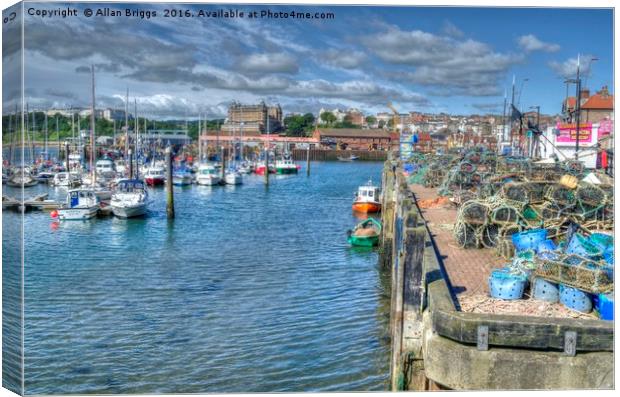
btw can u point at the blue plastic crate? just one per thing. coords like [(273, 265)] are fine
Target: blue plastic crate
[(546, 245), (529, 239), (545, 290), (580, 245), (504, 285), (608, 255), (575, 299), (602, 240), (604, 305)]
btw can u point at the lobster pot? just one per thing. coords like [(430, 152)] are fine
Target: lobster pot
[(537, 192), (544, 290), (490, 235), (590, 195), (574, 167), (503, 285), (466, 235), (549, 210), (575, 299), (505, 248), (516, 192), (546, 245), (474, 212), (467, 167), (504, 215), (561, 195)]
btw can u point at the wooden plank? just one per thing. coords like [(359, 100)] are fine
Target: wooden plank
[(524, 331), (414, 255)]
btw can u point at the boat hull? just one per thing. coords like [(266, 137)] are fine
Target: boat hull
[(363, 241), (129, 211), (77, 214), (232, 179), (208, 181), (366, 207), (154, 181), (285, 171), (181, 181)]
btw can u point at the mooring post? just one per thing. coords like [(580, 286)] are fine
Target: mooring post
[(66, 155), (308, 161), (266, 165), (223, 163), (169, 189)]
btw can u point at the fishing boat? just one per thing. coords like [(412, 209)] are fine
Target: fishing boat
[(365, 234), (367, 198), (182, 177), (155, 175), (21, 177), (350, 158), (286, 165), (260, 168), (130, 198), (105, 169), (233, 177), (81, 204), (208, 175)]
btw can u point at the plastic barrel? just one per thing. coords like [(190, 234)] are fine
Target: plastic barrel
[(608, 255), (529, 239), (503, 285), (575, 299), (545, 290), (547, 245), (581, 246), (602, 240), (604, 305)]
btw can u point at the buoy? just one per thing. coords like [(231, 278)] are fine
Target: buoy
[(54, 214)]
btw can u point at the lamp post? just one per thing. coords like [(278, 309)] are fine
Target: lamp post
[(577, 82), (534, 141)]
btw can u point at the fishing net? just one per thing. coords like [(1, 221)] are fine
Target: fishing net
[(466, 235), (474, 212), (561, 195), (590, 195), (505, 214), (490, 235), (518, 192)]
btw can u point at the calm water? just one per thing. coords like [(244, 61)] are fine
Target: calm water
[(248, 289)]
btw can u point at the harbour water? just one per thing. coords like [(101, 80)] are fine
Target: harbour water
[(250, 289)]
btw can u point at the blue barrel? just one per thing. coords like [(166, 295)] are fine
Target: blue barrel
[(547, 245), (604, 305), (529, 239), (545, 290), (575, 299), (580, 245), (504, 285), (608, 255), (602, 240)]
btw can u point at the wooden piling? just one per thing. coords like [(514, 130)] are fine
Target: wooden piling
[(130, 164), (169, 189), (308, 161), (266, 165), (67, 155), (223, 163)]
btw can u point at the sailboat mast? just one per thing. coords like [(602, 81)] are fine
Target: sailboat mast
[(126, 123), (92, 125), (46, 153), (136, 125), (199, 143)]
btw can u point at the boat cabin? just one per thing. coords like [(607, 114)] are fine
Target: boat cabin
[(104, 166), (129, 185), (368, 192), (81, 198)]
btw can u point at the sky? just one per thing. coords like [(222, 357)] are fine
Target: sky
[(457, 60)]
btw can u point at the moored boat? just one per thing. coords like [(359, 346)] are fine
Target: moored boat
[(21, 177), (365, 234), (81, 204), (155, 175), (65, 179), (367, 199), (233, 177), (130, 199), (286, 165), (208, 175), (350, 158), (182, 177)]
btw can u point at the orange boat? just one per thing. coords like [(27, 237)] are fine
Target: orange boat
[(367, 199)]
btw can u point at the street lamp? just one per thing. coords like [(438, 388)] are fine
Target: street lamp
[(577, 83)]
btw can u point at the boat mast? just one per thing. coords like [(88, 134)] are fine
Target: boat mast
[(92, 126), (137, 126), (199, 143), (126, 123), (46, 153)]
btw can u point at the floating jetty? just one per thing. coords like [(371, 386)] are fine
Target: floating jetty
[(437, 345), (39, 202)]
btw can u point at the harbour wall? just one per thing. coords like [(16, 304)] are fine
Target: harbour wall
[(435, 346), (329, 155)]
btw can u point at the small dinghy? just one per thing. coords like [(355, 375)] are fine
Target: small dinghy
[(365, 234)]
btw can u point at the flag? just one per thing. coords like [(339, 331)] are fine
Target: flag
[(516, 115)]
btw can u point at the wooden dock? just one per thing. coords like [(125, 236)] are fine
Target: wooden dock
[(39, 203)]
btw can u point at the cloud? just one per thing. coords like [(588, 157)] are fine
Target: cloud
[(60, 94), (568, 68), (488, 107), (449, 29), (99, 67), (530, 43), (268, 63), (451, 67), (343, 58)]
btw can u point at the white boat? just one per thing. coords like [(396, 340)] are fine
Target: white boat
[(120, 166), (286, 166), (182, 177), (208, 175), (21, 177), (75, 161), (233, 177), (81, 204), (130, 199), (105, 169), (66, 179), (245, 168)]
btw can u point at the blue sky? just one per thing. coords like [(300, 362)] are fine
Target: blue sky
[(431, 59)]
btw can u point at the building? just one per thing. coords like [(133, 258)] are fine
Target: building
[(165, 137), (594, 108), (114, 114), (253, 119), (354, 138), (355, 117)]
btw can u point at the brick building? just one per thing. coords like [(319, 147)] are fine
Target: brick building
[(593, 108), (354, 138)]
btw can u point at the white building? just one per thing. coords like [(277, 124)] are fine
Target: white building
[(563, 137)]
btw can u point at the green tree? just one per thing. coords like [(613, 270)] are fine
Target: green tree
[(328, 118), (370, 120), (298, 125)]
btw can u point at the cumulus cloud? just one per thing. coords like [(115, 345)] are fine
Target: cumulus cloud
[(449, 29), (452, 67), (343, 58), (268, 63), (568, 68), (530, 43)]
